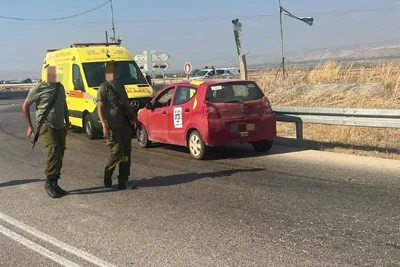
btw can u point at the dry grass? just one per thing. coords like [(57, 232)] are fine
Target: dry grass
[(335, 85)]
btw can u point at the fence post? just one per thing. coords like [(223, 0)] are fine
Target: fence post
[(299, 133)]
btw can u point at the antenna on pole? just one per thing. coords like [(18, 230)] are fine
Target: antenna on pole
[(113, 38), (112, 20)]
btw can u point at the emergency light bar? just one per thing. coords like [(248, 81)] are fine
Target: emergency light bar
[(94, 44)]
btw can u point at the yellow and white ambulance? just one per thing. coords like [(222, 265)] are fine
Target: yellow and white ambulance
[(82, 69)]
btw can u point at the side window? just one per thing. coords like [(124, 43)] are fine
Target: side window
[(133, 72), (164, 99), (183, 94), (77, 78)]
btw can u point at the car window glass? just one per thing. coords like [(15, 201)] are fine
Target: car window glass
[(184, 94), (164, 100), (239, 91)]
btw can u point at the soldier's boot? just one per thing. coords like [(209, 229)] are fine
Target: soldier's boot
[(125, 184), (51, 189), (58, 188), (107, 178)]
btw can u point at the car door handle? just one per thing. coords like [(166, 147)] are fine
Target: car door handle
[(164, 112), (187, 110)]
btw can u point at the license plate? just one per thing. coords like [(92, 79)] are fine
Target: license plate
[(244, 127), (241, 127)]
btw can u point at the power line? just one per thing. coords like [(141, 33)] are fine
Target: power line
[(343, 12), (261, 15), (60, 18)]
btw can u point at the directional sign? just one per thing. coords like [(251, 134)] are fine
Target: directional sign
[(161, 65), (159, 57), (188, 68), (140, 58)]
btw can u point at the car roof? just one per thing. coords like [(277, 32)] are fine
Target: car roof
[(208, 82)]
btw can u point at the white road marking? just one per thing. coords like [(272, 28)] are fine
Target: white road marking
[(82, 254), (39, 249)]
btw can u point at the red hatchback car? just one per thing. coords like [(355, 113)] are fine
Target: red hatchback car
[(202, 114)]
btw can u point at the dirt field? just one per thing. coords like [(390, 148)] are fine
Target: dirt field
[(334, 85)]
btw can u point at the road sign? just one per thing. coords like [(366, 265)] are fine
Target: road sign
[(159, 57), (161, 65), (140, 58), (188, 68)]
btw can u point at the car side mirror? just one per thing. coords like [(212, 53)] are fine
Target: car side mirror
[(148, 78)]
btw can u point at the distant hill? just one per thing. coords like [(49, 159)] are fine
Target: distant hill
[(389, 50), (9, 75), (364, 52)]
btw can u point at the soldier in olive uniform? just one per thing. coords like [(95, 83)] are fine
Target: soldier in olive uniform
[(112, 101), (54, 130)]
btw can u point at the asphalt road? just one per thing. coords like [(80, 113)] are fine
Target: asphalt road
[(286, 208)]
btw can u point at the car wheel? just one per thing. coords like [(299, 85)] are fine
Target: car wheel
[(89, 128), (263, 145), (197, 147), (142, 137)]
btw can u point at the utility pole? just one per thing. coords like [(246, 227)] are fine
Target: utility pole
[(307, 20)]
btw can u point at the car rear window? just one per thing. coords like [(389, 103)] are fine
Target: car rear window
[(232, 92)]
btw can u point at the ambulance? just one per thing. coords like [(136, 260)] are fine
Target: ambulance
[(82, 69)]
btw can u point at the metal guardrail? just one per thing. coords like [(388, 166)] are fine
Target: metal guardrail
[(5, 85), (28, 85), (359, 117)]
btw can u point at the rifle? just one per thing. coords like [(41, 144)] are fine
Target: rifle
[(45, 114)]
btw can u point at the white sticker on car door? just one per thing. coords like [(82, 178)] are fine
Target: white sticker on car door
[(178, 117)]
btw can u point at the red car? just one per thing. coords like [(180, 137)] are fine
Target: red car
[(203, 114)]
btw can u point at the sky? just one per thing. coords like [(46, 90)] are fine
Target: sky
[(197, 31)]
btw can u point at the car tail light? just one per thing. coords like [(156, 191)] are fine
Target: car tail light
[(210, 111), (267, 105)]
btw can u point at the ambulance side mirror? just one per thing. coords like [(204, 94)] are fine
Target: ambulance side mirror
[(148, 78)]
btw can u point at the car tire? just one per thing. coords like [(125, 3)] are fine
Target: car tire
[(89, 128), (196, 145), (263, 145), (142, 136)]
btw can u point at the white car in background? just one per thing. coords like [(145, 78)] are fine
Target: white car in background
[(216, 73)]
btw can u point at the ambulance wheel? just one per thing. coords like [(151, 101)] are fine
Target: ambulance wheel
[(142, 136), (89, 128), (197, 147)]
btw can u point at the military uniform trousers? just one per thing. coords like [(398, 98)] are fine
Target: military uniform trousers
[(120, 144), (54, 141)]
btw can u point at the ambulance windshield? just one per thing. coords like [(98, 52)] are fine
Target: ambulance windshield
[(128, 73)]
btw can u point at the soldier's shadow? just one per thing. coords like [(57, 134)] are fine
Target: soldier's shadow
[(168, 180), (176, 179), (92, 190), (20, 182)]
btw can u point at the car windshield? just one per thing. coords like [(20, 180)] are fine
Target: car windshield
[(234, 92), (201, 72), (128, 73)]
